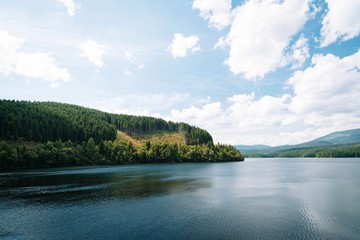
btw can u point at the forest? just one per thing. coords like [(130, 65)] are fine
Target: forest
[(331, 151), (340, 151), (50, 121), (49, 134)]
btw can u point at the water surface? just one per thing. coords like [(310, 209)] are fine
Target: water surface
[(255, 199)]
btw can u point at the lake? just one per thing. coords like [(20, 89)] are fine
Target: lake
[(255, 199)]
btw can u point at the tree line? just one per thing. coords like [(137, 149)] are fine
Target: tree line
[(342, 151), (60, 154), (337, 151)]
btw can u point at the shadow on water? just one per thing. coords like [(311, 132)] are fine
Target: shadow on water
[(100, 186)]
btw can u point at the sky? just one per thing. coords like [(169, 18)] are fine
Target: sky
[(249, 71)]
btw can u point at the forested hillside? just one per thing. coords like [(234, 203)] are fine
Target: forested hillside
[(331, 151), (36, 134), (44, 121), (338, 151)]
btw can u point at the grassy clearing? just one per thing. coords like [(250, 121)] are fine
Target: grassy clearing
[(158, 137)]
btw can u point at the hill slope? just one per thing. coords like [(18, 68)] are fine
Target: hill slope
[(157, 137), (43, 121), (46, 134), (343, 137), (348, 140)]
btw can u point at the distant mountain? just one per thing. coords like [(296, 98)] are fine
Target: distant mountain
[(343, 137), (348, 137), (252, 147)]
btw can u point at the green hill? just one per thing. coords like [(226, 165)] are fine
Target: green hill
[(344, 137), (337, 144), (43, 121), (46, 134)]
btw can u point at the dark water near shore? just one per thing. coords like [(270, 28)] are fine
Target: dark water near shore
[(255, 199)]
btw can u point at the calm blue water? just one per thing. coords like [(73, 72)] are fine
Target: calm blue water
[(255, 199)]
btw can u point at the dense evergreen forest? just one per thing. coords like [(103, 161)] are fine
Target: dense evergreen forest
[(50, 121), (49, 134)]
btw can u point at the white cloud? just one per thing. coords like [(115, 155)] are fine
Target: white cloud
[(9, 45), (267, 111), (341, 21), (326, 94), (324, 100), (40, 65), (127, 72), (221, 43), (217, 12), (328, 87), (70, 5), (260, 33), (242, 119), (299, 52), (128, 55), (32, 65), (181, 46), (94, 52), (207, 115)]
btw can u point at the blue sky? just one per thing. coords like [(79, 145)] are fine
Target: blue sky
[(250, 72)]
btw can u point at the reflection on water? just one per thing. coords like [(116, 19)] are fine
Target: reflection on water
[(93, 186), (255, 199)]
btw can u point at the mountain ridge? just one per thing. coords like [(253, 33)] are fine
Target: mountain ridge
[(335, 139)]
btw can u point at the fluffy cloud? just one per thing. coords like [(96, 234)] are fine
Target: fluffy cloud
[(259, 34), (9, 45), (127, 72), (41, 65), (70, 6), (217, 12), (330, 86), (267, 111), (299, 52), (242, 119), (324, 100), (341, 21), (181, 46), (208, 115), (94, 52), (31, 65)]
